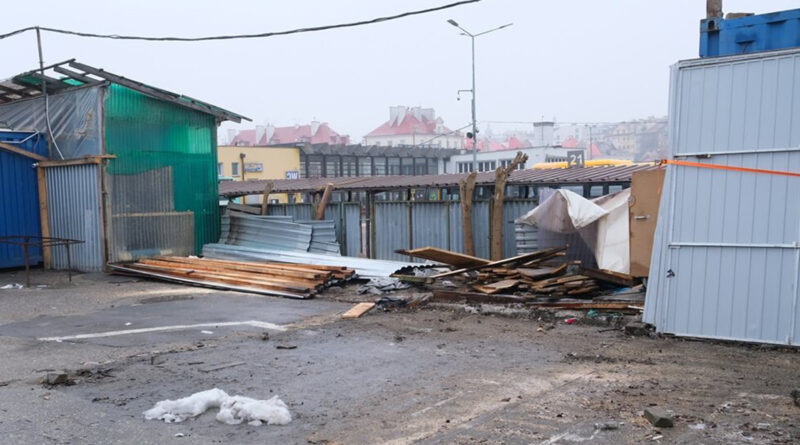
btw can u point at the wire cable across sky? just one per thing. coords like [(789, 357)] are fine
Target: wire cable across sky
[(240, 36)]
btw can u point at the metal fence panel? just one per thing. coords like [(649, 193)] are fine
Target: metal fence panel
[(430, 224), (351, 230), (512, 210), (391, 229), (726, 259), (74, 211)]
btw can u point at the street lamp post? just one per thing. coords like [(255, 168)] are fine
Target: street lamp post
[(474, 119)]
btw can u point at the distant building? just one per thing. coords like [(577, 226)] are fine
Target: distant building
[(265, 135), (414, 127), (637, 139), (490, 160)]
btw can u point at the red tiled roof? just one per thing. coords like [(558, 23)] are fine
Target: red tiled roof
[(569, 142), (409, 125), (290, 135)]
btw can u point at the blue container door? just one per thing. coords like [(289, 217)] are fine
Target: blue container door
[(19, 202)]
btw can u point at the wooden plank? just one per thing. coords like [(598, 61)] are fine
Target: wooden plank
[(643, 213), (120, 269), (220, 367), (202, 275), (538, 274), (466, 188), (516, 259), (444, 256), (254, 267), (620, 279), (44, 221), (358, 310), (326, 196), (496, 217), (497, 287), (77, 161), (21, 152), (583, 305), (265, 200), (247, 275), (461, 295)]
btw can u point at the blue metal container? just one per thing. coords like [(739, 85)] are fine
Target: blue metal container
[(765, 32), (19, 202)]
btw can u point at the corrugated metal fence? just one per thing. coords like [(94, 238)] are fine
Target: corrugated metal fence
[(74, 211), (412, 224)]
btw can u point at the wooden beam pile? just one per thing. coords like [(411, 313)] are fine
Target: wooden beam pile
[(280, 279), (540, 277)]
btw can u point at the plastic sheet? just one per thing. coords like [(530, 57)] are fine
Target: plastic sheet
[(74, 118)]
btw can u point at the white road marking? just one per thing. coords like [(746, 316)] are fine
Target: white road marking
[(253, 323)]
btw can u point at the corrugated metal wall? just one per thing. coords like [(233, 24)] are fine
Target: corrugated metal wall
[(165, 172), (438, 224), (727, 250), (74, 211), (19, 196)]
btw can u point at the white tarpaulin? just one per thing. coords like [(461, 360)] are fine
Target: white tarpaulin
[(603, 219)]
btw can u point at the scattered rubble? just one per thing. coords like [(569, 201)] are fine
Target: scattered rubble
[(658, 417)]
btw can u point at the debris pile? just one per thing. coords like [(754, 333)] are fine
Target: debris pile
[(541, 278), (293, 280)]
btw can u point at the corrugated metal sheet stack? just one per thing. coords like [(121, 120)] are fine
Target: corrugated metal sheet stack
[(279, 233), (278, 279)]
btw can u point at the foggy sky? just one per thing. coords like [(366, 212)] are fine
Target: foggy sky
[(575, 60)]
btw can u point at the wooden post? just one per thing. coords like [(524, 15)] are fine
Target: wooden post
[(265, 201), (21, 152), (496, 211), (43, 218), (326, 196), (466, 187)]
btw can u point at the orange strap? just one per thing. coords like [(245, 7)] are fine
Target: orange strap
[(728, 167)]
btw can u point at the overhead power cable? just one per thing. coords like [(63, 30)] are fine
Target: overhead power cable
[(241, 36)]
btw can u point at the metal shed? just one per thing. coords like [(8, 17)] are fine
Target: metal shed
[(19, 203), (132, 169), (726, 255)]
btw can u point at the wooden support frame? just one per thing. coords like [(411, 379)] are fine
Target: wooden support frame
[(319, 214), (44, 220), (466, 188), (496, 214), (21, 152), (78, 161), (265, 201)]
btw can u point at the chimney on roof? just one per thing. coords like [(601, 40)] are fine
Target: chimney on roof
[(397, 114), (543, 134), (314, 127), (231, 135), (260, 130), (417, 112), (270, 132)]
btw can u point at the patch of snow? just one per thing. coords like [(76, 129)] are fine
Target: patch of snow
[(238, 409), (12, 286), (173, 411), (207, 332), (232, 410)]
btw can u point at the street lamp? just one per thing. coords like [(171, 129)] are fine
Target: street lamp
[(474, 120)]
